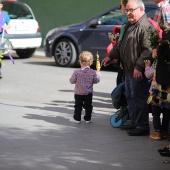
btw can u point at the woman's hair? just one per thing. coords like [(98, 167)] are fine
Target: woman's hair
[(86, 58)]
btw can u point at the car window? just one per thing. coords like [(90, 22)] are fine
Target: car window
[(112, 18), (115, 17), (16, 11), (150, 12)]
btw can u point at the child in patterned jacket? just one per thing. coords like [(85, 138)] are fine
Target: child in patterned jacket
[(84, 78)]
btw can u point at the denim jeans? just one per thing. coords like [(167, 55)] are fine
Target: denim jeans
[(83, 101), (137, 93)]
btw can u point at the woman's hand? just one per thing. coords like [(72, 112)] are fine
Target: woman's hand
[(154, 53)]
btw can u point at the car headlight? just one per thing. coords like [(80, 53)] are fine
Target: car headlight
[(51, 32)]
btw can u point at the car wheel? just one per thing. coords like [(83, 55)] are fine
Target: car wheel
[(65, 53), (25, 53)]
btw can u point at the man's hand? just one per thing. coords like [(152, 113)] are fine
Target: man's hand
[(137, 75), (105, 62)]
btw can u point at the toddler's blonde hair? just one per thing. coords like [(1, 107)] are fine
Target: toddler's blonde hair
[(86, 58)]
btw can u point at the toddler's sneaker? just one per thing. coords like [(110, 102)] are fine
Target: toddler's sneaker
[(156, 135), (87, 121), (74, 121)]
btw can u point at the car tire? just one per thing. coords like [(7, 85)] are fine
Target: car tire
[(25, 53), (65, 54)]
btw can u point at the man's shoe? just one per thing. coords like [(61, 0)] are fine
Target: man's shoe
[(127, 127), (156, 135), (163, 150), (165, 153), (138, 132)]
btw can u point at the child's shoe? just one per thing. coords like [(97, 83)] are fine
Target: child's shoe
[(156, 135), (74, 121), (87, 121)]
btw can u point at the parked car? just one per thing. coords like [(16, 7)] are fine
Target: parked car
[(65, 43), (24, 33)]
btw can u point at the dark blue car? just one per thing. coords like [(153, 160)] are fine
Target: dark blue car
[(65, 43)]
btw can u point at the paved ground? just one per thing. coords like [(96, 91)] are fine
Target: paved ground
[(40, 137), (36, 136)]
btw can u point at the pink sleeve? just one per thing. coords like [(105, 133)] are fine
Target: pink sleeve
[(156, 27)]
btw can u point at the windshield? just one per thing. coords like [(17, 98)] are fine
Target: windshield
[(17, 10), (115, 17)]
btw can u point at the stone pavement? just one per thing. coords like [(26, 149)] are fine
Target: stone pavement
[(40, 137)]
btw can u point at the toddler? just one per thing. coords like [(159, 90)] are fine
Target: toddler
[(84, 78)]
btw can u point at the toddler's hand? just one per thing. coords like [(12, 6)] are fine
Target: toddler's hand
[(147, 63)]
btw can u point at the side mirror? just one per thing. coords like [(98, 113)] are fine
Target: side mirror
[(93, 23)]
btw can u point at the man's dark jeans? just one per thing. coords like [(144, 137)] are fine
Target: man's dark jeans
[(137, 93)]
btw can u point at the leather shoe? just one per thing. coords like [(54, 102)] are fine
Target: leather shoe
[(165, 153), (127, 127), (163, 150), (138, 132)]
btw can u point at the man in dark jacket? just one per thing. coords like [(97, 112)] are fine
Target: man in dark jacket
[(132, 50)]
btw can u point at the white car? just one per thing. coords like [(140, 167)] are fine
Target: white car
[(24, 33)]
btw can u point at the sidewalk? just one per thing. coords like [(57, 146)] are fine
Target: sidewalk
[(37, 134), (40, 137), (40, 52)]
